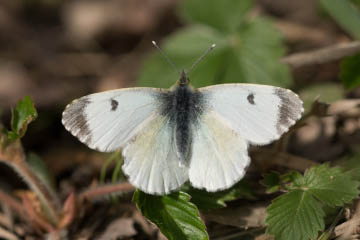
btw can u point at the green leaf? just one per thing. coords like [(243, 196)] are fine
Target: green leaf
[(258, 47), (356, 3), (174, 214), (295, 215), (205, 200), (350, 71), (345, 14), (295, 179), (41, 170), (330, 185), (300, 212), (351, 165), (184, 47), (275, 182), (250, 55), (354, 173), (272, 182), (22, 115), (246, 50), (225, 15)]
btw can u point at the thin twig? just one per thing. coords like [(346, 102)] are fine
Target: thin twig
[(102, 191), (295, 32), (323, 55)]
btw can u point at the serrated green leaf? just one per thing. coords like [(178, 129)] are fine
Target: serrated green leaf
[(225, 15), (351, 165), (205, 200), (22, 115), (354, 173), (183, 48), (330, 185), (350, 71), (250, 55), (300, 212), (295, 215), (345, 14), (258, 47), (174, 214)]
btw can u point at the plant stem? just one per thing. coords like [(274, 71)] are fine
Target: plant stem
[(105, 190), (14, 157)]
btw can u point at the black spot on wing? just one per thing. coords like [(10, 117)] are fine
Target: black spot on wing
[(114, 104), (290, 109), (251, 98), (74, 120)]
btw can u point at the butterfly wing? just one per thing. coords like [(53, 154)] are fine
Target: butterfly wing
[(234, 116), (130, 119), (260, 113), (106, 121), (219, 154), (150, 158)]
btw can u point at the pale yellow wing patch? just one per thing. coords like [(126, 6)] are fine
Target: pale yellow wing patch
[(150, 158), (219, 155)]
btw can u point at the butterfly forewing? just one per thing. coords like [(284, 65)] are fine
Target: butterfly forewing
[(259, 113), (106, 121)]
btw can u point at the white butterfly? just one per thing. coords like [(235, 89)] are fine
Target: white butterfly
[(169, 136)]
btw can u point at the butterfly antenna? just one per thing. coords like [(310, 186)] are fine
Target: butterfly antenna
[(202, 56), (166, 57)]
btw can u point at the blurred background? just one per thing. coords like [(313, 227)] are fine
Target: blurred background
[(59, 50)]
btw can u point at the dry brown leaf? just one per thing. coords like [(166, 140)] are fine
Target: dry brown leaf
[(345, 108), (247, 216), (264, 237), (351, 228), (268, 158), (118, 229)]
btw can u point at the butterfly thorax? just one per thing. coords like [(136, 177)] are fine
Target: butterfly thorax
[(182, 105)]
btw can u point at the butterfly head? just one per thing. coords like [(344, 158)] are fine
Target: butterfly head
[(184, 79)]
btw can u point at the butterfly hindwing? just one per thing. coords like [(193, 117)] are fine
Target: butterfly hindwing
[(106, 121), (219, 154), (150, 158)]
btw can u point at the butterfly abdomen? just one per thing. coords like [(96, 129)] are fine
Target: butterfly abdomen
[(182, 105)]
